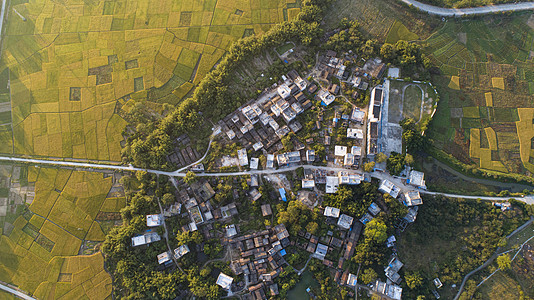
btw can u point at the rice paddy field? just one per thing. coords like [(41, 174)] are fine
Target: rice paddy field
[(68, 67), (48, 248), (486, 112)]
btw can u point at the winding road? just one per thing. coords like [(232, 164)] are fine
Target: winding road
[(460, 12)]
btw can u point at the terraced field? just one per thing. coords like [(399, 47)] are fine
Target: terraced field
[(486, 111), (39, 250), (69, 66)]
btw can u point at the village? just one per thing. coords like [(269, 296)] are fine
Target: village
[(270, 133)]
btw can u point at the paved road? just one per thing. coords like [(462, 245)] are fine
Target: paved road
[(15, 292), (458, 12), (379, 175), (490, 260)]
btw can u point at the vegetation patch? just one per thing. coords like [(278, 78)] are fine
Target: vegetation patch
[(399, 32)]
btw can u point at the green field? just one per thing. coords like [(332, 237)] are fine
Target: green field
[(71, 63), (39, 251), (485, 118)]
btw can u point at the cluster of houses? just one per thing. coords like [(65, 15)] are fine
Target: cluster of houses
[(261, 259), (183, 154), (261, 125)]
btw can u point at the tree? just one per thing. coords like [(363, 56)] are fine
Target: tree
[(381, 157), (168, 199), (395, 163), (190, 177), (312, 227), (413, 280), (368, 167), (368, 275), (387, 51), (187, 237), (504, 262), (376, 231), (408, 159)]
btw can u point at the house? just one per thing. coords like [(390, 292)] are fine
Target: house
[(288, 114), (310, 156), (252, 113), (154, 220), (387, 187), (257, 146), (308, 183), (266, 210), (354, 133), (196, 215), (270, 161), (375, 67), (340, 151), (254, 162), (297, 108), (231, 231), (412, 198), (181, 251), (351, 179), (391, 241), (352, 280), (357, 115), (349, 160), (374, 209), (330, 211), (366, 218), (325, 97), (254, 194), (231, 134), (332, 182), (393, 291), (164, 257), (320, 251), (356, 151), (228, 210), (242, 156), (393, 268), (417, 179), (288, 158), (308, 198), (412, 214), (284, 91), (224, 281), (273, 289), (312, 88), (345, 221), (334, 89), (145, 238)]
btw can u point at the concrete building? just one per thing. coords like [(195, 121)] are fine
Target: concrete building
[(224, 281), (154, 220), (345, 221), (330, 211)]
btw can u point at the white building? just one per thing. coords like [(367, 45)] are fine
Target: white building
[(146, 238), (352, 280), (412, 198), (224, 281), (417, 179), (340, 151), (154, 220), (254, 162), (284, 91), (345, 221), (387, 187), (308, 183), (330, 211), (332, 182), (181, 251), (242, 156), (325, 97), (231, 231), (164, 257), (355, 133), (270, 161)]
